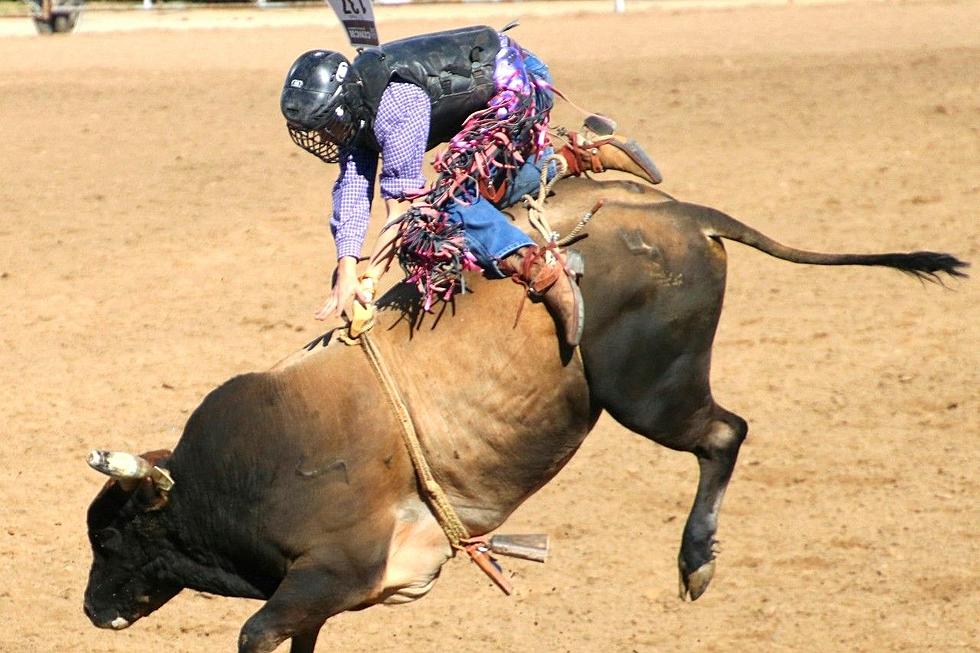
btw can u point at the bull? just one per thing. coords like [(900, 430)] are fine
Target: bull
[(294, 486)]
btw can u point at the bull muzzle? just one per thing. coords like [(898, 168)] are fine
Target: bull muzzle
[(114, 622), (129, 469)]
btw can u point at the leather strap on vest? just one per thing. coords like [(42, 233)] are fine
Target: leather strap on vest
[(455, 68)]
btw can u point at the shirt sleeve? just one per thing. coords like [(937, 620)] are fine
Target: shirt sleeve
[(401, 127), (352, 195)]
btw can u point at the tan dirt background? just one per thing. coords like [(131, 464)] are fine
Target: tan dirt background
[(160, 233)]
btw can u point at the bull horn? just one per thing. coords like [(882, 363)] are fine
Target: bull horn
[(126, 466), (118, 464)]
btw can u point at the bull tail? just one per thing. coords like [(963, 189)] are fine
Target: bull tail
[(927, 266)]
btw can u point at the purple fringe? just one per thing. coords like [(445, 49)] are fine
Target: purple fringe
[(493, 143)]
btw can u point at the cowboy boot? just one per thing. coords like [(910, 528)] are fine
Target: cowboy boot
[(545, 274), (608, 153)]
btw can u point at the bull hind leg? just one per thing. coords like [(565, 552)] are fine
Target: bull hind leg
[(308, 596), (716, 452)]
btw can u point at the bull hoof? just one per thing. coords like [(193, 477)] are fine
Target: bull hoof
[(693, 584)]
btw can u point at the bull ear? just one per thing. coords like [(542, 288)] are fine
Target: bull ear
[(129, 469)]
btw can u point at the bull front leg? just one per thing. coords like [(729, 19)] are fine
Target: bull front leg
[(304, 643), (716, 453), (308, 596)]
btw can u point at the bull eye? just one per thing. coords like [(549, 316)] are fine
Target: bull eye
[(108, 539)]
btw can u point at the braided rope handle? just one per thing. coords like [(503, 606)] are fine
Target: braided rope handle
[(535, 206), (536, 211), (445, 514)]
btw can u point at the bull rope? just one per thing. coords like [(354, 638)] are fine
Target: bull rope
[(536, 209), (452, 526), (445, 514), (357, 333)]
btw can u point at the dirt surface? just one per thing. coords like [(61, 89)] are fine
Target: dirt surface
[(160, 233)]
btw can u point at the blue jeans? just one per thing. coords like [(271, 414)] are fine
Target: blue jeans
[(490, 235)]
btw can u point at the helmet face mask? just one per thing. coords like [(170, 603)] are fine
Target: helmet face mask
[(313, 103), (317, 142)]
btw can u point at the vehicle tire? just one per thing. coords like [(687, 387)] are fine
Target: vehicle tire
[(60, 22), (44, 26), (68, 22)]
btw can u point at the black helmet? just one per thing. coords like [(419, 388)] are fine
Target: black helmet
[(313, 103)]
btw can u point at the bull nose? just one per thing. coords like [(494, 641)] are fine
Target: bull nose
[(102, 621), (119, 623)]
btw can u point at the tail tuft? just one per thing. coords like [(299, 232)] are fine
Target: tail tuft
[(927, 266)]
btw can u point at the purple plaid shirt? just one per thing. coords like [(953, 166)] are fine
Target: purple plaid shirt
[(401, 127)]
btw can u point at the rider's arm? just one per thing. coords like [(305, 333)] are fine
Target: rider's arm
[(352, 194), (402, 129)]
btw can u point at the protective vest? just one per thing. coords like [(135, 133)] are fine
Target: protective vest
[(454, 68)]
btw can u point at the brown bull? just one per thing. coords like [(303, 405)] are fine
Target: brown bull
[(294, 485)]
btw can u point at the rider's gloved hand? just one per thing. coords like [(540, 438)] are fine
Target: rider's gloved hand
[(367, 289)]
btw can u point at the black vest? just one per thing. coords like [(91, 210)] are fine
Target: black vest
[(454, 68)]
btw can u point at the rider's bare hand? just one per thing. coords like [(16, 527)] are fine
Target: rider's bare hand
[(343, 289)]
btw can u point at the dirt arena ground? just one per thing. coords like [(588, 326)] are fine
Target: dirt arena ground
[(160, 233)]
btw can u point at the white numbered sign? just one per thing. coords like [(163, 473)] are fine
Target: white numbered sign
[(358, 19)]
